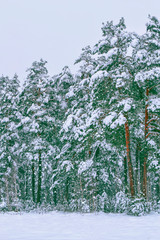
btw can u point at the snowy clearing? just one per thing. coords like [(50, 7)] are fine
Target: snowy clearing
[(72, 226)]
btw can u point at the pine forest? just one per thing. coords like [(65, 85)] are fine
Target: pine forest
[(88, 141)]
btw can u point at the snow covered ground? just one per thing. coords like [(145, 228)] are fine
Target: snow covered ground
[(71, 226)]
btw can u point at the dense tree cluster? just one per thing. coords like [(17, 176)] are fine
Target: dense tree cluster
[(88, 141)]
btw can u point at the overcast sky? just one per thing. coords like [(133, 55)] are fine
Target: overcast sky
[(57, 30)]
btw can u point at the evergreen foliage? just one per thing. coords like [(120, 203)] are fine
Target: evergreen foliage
[(89, 141)]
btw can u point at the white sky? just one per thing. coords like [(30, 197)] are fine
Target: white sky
[(57, 30)]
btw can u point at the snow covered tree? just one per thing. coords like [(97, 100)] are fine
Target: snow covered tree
[(113, 84), (37, 126), (147, 74), (58, 104), (89, 141), (9, 140)]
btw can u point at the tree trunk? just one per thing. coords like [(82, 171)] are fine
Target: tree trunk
[(15, 188), (138, 167), (67, 189), (39, 179), (145, 148), (33, 181), (141, 155), (7, 193), (125, 175), (26, 184), (130, 169)]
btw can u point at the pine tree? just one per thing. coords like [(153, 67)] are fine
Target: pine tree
[(116, 80), (58, 105), (9, 144), (36, 124), (147, 69)]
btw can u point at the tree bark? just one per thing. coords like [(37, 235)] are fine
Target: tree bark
[(33, 181), (67, 189), (7, 193), (26, 184), (130, 169), (138, 168), (15, 188), (39, 179), (125, 175), (145, 149)]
